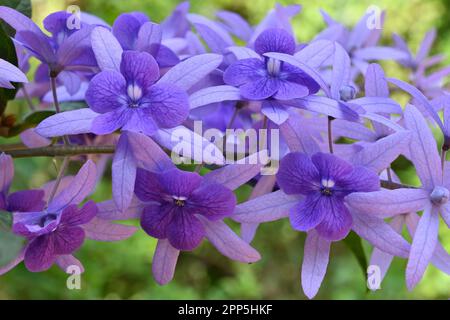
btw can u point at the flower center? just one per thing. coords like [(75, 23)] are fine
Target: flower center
[(179, 201), (326, 188), (273, 66), (47, 219), (347, 93), (135, 93), (439, 195)]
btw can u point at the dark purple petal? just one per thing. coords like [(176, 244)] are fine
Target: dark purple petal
[(214, 201), (260, 89), (155, 219), (275, 40), (148, 186), (308, 213), (67, 239), (296, 83), (126, 28), (38, 44), (107, 92), (360, 180), (179, 183), (166, 57), (40, 254), (111, 121), (331, 167), (74, 216), (26, 201), (337, 222), (167, 105), (244, 71), (139, 69), (138, 120), (297, 174), (185, 232)]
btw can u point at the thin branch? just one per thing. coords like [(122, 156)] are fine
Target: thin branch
[(330, 134), (58, 151), (394, 185)]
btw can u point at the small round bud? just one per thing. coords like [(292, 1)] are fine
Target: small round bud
[(439, 195), (347, 93)]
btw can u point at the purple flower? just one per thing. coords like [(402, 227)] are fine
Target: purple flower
[(132, 101), (8, 73), (432, 197), (26, 200), (262, 77), (324, 180), (134, 31), (51, 234), (178, 198)]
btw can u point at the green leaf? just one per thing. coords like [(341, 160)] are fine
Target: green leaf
[(23, 6), (72, 105), (30, 121), (353, 242), (10, 244)]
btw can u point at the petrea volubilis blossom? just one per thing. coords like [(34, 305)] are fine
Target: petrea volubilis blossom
[(324, 180), (261, 78), (180, 196), (132, 101)]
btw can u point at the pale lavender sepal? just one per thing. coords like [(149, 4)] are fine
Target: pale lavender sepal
[(423, 150), (235, 24), (148, 154), (297, 135), (380, 234), (10, 72), (164, 262), (104, 230), (189, 144), (316, 53), (107, 49), (227, 242), (341, 70), (420, 98), (33, 140), (315, 262), (378, 105), (268, 207), (67, 262), (441, 258), (423, 245), (388, 203), (6, 172), (107, 210), (67, 123), (380, 154), (381, 259), (190, 71), (81, 186), (380, 53), (233, 176), (123, 173), (243, 53), (214, 94)]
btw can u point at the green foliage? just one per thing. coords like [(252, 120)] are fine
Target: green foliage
[(31, 121)]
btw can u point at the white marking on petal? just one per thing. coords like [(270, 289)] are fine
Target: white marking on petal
[(134, 92), (328, 183)]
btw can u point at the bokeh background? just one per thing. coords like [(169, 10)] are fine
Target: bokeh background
[(123, 270)]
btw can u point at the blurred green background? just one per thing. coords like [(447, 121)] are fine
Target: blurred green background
[(123, 270)]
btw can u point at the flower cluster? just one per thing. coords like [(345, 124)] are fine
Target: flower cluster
[(140, 85)]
